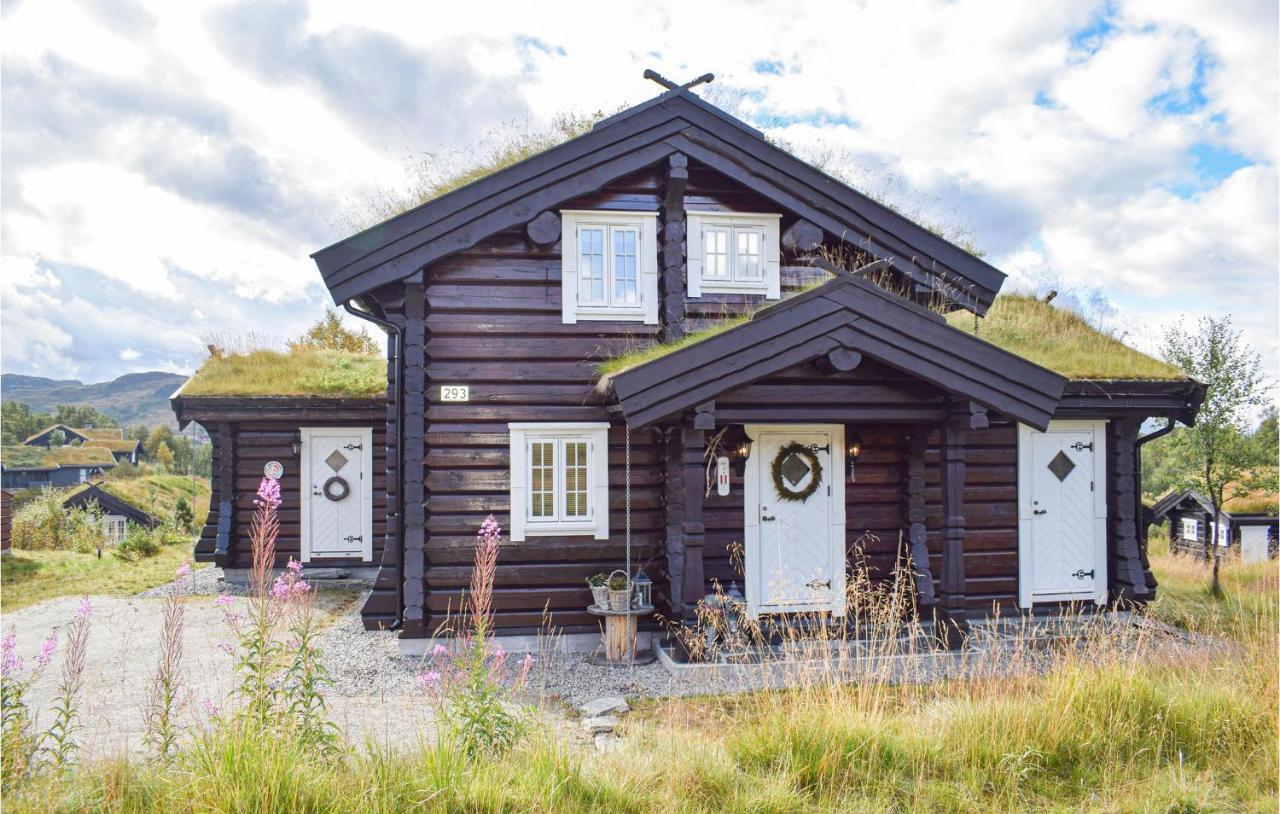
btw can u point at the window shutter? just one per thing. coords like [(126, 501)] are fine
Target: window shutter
[(568, 269), (693, 258), (771, 256), (648, 282), (599, 452), (519, 484)]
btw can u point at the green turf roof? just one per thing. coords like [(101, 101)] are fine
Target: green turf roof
[(27, 457), (296, 373), (1061, 341)]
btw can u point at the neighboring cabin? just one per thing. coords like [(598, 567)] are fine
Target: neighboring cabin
[(112, 438), (34, 467), (1251, 534), (853, 414), (117, 513)]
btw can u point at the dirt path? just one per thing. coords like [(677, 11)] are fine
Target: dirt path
[(124, 647)]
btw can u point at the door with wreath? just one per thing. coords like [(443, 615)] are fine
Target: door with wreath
[(794, 519)]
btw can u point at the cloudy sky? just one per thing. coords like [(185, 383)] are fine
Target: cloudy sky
[(168, 167)]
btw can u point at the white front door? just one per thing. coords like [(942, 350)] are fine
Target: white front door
[(795, 549), (1062, 542), (1253, 543), (337, 493)]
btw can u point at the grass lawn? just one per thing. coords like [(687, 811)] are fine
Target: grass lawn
[(1106, 729), (27, 577)]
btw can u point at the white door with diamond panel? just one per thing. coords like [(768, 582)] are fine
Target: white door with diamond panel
[(1062, 513), (795, 547), (337, 493)]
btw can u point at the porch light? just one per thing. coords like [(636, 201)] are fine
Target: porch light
[(297, 443), (852, 454), (741, 454)]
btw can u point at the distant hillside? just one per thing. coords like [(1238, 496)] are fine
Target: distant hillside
[(135, 398)]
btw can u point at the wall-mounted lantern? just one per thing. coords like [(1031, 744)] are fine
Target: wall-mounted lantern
[(297, 443), (741, 454), (852, 453)]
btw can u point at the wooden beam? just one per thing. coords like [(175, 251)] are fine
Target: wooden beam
[(226, 449), (672, 249), (673, 516), (952, 616), (544, 230), (801, 236), (704, 416), (913, 517), (692, 529), (414, 435), (844, 359)]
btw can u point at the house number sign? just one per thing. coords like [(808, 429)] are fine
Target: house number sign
[(455, 392), (273, 470)]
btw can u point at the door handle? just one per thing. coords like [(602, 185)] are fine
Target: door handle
[(764, 518), (815, 584), (315, 492), (1040, 511)]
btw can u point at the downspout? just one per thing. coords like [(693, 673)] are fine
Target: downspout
[(395, 333), (1137, 472)]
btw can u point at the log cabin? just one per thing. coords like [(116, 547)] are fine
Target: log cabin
[(670, 338), (1238, 530)]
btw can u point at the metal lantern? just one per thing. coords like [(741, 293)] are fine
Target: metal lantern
[(852, 454), (643, 587), (735, 604)]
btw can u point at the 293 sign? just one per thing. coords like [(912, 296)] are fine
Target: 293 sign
[(455, 392)]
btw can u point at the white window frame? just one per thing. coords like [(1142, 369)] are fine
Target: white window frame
[(573, 308), (1190, 524), (115, 527), (768, 284), (596, 524)]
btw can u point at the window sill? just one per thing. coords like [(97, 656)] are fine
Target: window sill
[(610, 314), (559, 529), (718, 287)]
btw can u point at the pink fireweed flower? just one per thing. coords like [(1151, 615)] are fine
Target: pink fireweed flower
[(85, 609), (224, 600), (526, 664), (439, 651), (294, 565), (210, 708), (184, 570), (10, 661), (428, 679), (489, 529), (268, 493), (46, 651), (499, 658)]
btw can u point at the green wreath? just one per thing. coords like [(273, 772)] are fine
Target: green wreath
[(815, 466)]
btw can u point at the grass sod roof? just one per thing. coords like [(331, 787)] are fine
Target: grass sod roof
[(156, 493), (40, 458), (1053, 338), (1061, 341), (335, 374), (95, 433)]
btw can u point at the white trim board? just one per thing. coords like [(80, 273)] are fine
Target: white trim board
[(306, 487), (1026, 596)]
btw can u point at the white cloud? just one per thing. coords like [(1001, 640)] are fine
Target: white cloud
[(150, 153)]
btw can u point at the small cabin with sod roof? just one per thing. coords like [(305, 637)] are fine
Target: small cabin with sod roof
[(668, 341), (1247, 527)]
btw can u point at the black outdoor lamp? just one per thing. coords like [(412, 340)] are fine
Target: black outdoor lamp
[(297, 443), (852, 453), (741, 454)]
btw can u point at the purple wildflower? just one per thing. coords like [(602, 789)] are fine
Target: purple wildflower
[(184, 570), (489, 529), (439, 651), (46, 651), (211, 709), (224, 600), (526, 664), (86, 608), (294, 565), (428, 679), (10, 661), (268, 493)]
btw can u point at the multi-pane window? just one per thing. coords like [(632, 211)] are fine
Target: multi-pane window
[(114, 529), (609, 278), (732, 253), (1190, 529), (558, 479), (609, 265)]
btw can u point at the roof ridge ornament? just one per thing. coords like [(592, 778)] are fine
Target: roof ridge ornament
[(653, 75)]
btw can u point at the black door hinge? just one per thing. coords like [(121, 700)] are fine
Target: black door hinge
[(353, 539), (351, 447), (1081, 574), (1080, 446)]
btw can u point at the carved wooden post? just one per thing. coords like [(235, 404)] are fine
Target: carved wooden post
[(414, 394), (673, 506), (692, 529), (226, 448), (672, 248), (914, 510), (952, 617), (1128, 577)]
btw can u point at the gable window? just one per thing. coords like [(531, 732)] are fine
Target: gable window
[(559, 479), (1190, 529), (609, 268), (733, 253)]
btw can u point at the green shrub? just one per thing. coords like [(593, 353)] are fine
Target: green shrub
[(44, 524), (183, 517), (138, 544)]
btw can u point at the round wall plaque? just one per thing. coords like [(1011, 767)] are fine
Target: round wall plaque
[(273, 470)]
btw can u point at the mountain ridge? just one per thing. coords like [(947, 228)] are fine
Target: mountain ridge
[(134, 398)]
